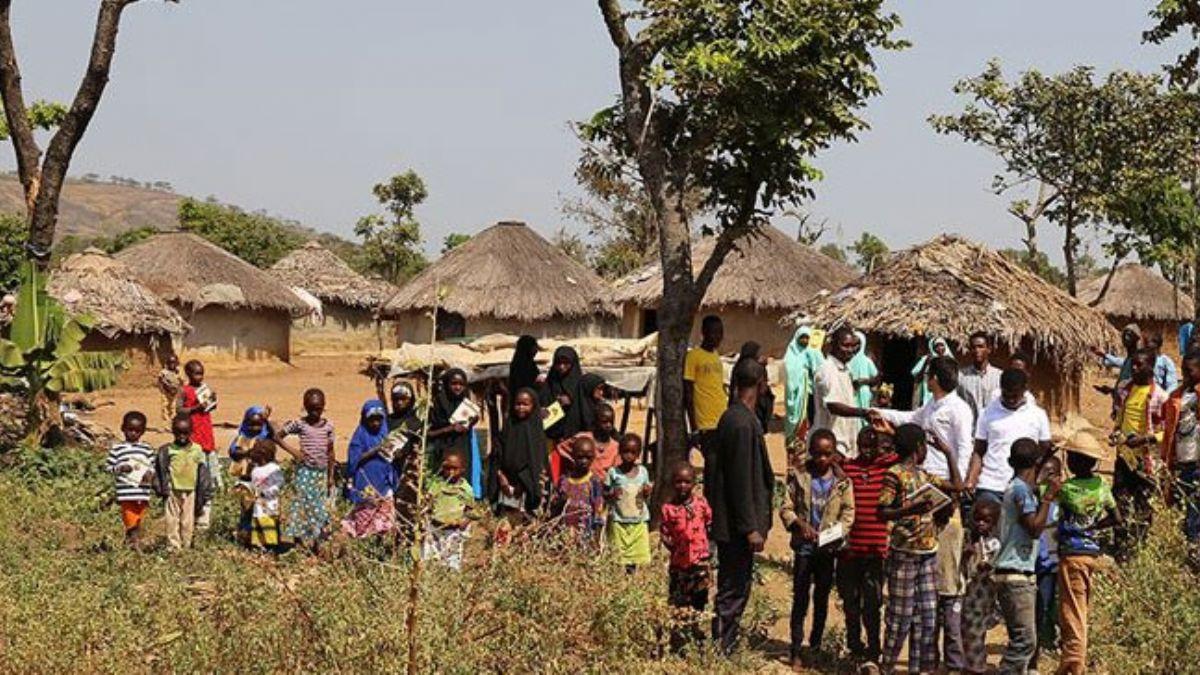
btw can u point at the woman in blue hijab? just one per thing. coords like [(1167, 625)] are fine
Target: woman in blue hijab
[(801, 363), (372, 476), (864, 374)]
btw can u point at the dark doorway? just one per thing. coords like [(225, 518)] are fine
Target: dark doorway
[(899, 356), (450, 325), (649, 322)]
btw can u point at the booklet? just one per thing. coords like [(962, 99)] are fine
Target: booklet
[(554, 413), (467, 413), (831, 534), (928, 494)]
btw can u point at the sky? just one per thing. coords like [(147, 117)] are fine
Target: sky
[(289, 107)]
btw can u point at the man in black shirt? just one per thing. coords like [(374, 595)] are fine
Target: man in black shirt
[(740, 493)]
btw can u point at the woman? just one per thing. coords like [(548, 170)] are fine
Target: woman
[(372, 476), (864, 374), (564, 386), (936, 347), (801, 363), (446, 435), (523, 370), (765, 409)]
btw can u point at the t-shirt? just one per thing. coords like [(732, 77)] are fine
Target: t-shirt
[(950, 419), (315, 441), (834, 385), (267, 481), (869, 535), (629, 506), (138, 456), (185, 465), (911, 534), (684, 531), (450, 502), (1084, 502), (1186, 447), (707, 374), (821, 487), (1133, 413), (1000, 427), (1018, 550)]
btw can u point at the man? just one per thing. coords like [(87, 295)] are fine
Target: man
[(1006, 419), (1165, 373), (740, 492), (1137, 433), (704, 396), (979, 381), (834, 392), (1131, 338), (949, 418)]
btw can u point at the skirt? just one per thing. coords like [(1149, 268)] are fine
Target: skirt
[(307, 516), (630, 542), (264, 532), (367, 519)]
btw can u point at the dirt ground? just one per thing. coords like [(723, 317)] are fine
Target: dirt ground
[(240, 384)]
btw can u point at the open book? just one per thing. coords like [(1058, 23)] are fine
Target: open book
[(467, 413), (554, 413), (928, 494), (831, 534)]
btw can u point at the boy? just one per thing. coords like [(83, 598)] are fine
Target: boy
[(452, 502), (1087, 506), (1022, 518), (1139, 429), (131, 463), (197, 400), (1046, 568), (169, 385), (704, 397), (684, 532), (183, 481), (912, 578), (860, 569), (817, 500)]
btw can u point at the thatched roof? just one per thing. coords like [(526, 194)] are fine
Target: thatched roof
[(93, 283), (323, 274), (508, 272), (186, 270), (767, 270), (1138, 292), (952, 287)]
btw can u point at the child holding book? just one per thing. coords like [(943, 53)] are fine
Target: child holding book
[(197, 400), (627, 488), (131, 462)]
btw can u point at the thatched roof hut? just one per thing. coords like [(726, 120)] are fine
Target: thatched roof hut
[(768, 275), (346, 296), (950, 287), (1139, 294), (232, 305), (508, 279)]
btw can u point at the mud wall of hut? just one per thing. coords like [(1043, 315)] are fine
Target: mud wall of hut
[(415, 327), (244, 333), (742, 324), (143, 353)]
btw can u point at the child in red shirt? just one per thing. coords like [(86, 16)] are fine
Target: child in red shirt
[(684, 532), (197, 401)]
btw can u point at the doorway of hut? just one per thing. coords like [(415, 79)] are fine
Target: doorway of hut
[(899, 355), (649, 322), (450, 325)]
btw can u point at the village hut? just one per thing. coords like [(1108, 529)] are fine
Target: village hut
[(128, 316), (1138, 294), (506, 279), (349, 301), (950, 288), (765, 278), (233, 307)]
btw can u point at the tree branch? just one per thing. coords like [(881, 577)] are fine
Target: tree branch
[(1112, 271), (20, 130), (727, 239), (614, 19)]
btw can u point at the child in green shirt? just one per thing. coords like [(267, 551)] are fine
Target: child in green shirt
[(184, 482), (452, 508)]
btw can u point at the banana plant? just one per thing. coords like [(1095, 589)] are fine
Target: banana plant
[(43, 358)]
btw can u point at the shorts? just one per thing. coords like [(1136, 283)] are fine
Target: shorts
[(132, 514)]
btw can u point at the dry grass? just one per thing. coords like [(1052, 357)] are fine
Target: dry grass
[(1138, 293), (322, 273), (94, 283)]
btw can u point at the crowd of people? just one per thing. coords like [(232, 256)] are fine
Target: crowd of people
[(932, 523)]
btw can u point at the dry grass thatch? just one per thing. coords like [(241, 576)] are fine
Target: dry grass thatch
[(768, 270), (951, 287), (1138, 292), (322, 273), (93, 283), (508, 272), (185, 269)]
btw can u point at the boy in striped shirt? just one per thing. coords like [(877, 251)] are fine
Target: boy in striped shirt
[(131, 462)]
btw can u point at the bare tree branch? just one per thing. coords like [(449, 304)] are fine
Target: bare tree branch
[(19, 127), (614, 19)]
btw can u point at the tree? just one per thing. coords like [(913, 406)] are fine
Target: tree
[(453, 241), (571, 244), (834, 251), (42, 177), (1038, 263), (392, 243), (869, 251), (13, 233), (254, 237), (729, 101)]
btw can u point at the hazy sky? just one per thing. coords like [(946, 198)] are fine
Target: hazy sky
[(296, 107)]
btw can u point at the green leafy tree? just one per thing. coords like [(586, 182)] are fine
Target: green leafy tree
[(869, 251), (727, 103), (572, 244), (13, 233), (254, 237), (43, 115), (392, 242), (453, 241), (1038, 263), (834, 251)]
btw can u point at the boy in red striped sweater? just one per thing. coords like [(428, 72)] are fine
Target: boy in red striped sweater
[(861, 569)]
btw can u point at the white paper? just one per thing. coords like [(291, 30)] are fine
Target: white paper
[(467, 413), (831, 534)]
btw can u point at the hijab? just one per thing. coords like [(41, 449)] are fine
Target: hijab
[(446, 402), (798, 365), (405, 419), (862, 368), (918, 372), (243, 433), (587, 386), (376, 473), (522, 455), (577, 416), (523, 370)]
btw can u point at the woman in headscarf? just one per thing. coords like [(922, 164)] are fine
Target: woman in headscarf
[(936, 347), (523, 370), (564, 386), (446, 435), (863, 373), (372, 476), (800, 367), (405, 425), (592, 387), (517, 470), (765, 409)]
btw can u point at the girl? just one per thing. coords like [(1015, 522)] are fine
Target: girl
[(253, 428), (372, 476), (452, 508), (564, 386), (308, 515), (579, 496), (447, 436), (523, 371), (519, 468), (979, 603), (405, 426), (266, 481), (197, 400), (684, 532), (627, 488)]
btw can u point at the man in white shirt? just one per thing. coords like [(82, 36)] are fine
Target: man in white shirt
[(1006, 419), (834, 393)]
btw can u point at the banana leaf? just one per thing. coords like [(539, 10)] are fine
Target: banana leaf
[(84, 372), (28, 329), (12, 357)]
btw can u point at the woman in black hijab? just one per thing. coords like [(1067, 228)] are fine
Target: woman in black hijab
[(765, 409), (523, 369), (564, 385), (443, 434), (517, 470)]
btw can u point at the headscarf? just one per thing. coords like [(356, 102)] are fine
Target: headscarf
[(376, 473), (587, 386), (407, 419), (523, 369), (862, 368), (242, 440), (444, 405), (800, 363), (923, 395), (522, 456), (577, 416)]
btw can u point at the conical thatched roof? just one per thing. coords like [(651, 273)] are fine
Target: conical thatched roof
[(322, 273), (952, 287), (184, 269), (509, 272), (767, 270), (93, 283), (1138, 292)]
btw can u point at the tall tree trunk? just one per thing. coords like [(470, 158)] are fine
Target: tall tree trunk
[(1196, 286), (676, 312), (1070, 244), (1030, 240)]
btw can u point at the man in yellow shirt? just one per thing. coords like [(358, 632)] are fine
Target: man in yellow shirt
[(1138, 433), (704, 396)]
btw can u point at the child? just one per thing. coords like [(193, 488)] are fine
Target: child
[(860, 568), (518, 466), (627, 488), (603, 432), (579, 495), (183, 481), (197, 400), (452, 502), (912, 578), (308, 516), (684, 532), (1022, 519), (817, 501), (1087, 506), (372, 477), (979, 558), (131, 463), (266, 480), (253, 428), (169, 386), (1046, 567)]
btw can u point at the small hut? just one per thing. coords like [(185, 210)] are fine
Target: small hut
[(506, 279), (233, 306), (765, 278), (1138, 294), (128, 316), (349, 301), (950, 288)]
